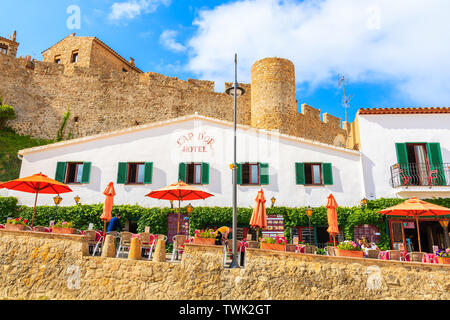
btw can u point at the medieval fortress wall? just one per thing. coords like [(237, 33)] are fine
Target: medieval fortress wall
[(105, 92)]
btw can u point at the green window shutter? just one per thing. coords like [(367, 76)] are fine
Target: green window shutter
[(402, 159), (61, 172), (402, 155), (300, 173), (239, 173), (435, 160), (148, 173), (264, 173), (182, 172), (205, 173), (327, 174), (122, 173), (86, 176)]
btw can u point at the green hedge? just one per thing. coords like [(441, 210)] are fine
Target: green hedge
[(202, 217)]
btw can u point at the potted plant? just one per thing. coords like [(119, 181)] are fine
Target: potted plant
[(17, 224), (278, 243), (349, 249), (63, 227), (443, 256), (206, 237)]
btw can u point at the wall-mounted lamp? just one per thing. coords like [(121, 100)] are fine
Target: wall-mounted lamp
[(189, 208), (273, 201)]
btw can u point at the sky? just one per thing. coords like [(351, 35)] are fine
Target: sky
[(392, 53)]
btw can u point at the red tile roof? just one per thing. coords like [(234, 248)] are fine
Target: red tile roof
[(403, 110)]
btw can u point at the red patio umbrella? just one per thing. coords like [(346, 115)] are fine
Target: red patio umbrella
[(108, 205), (38, 183), (333, 228), (259, 216), (179, 191), (414, 208)]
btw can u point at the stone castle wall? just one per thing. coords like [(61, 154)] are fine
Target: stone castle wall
[(101, 101), (45, 265)]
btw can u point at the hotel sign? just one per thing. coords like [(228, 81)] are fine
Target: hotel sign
[(196, 142)]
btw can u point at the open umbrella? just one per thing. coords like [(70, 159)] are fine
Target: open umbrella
[(333, 228), (414, 208), (179, 191), (108, 205), (259, 217), (38, 183)]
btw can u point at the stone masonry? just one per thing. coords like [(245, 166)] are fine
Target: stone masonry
[(48, 266), (103, 98)]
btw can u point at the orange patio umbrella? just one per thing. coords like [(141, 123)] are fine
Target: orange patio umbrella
[(108, 205), (259, 217), (179, 191), (333, 228), (414, 208), (38, 183)]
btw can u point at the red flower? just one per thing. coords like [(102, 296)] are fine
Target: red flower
[(26, 221)]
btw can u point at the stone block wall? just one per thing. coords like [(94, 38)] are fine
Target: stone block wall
[(40, 265)]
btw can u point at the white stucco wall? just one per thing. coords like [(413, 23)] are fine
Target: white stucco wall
[(380, 133), (159, 145)]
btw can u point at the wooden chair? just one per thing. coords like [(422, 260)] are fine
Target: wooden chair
[(253, 244), (291, 247), (372, 254), (331, 251), (146, 242), (228, 250), (92, 236), (394, 255), (39, 229), (311, 249), (125, 242), (178, 245), (415, 256)]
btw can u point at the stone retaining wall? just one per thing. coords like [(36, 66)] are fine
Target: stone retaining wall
[(43, 265)]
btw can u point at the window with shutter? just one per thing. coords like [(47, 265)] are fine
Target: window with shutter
[(205, 173), (148, 175), (300, 173), (86, 175), (264, 173), (61, 172), (182, 172), (122, 173)]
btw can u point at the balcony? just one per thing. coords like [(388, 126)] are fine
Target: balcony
[(416, 175)]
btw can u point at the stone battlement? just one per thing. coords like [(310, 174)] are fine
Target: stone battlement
[(107, 99)]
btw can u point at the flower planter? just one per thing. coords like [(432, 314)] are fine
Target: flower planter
[(205, 241), (444, 260), (273, 246), (63, 230), (15, 227), (349, 253)]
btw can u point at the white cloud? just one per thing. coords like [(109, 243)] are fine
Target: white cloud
[(167, 39), (132, 8), (403, 42)]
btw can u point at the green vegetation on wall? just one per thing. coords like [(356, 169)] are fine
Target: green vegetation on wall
[(10, 144), (203, 217)]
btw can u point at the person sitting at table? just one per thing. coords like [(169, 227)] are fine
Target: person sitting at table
[(370, 246)]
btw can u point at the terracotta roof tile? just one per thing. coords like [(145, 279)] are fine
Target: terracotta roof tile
[(403, 110)]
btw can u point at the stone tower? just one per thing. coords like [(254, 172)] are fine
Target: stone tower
[(273, 100), (8, 46)]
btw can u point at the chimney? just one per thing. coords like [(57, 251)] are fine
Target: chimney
[(14, 37), (132, 61)]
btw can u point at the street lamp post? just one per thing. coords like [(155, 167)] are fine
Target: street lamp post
[(235, 91), (309, 213), (77, 200), (364, 203)]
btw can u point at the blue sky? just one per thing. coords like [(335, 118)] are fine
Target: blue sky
[(393, 53)]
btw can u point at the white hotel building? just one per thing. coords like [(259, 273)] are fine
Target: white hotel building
[(403, 153)]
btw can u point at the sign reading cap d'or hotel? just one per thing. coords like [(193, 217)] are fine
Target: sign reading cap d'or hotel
[(196, 142)]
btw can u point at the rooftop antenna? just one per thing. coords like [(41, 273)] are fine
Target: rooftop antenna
[(346, 99)]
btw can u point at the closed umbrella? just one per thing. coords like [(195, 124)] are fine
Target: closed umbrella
[(38, 184), (110, 193), (333, 228), (179, 191), (414, 208), (259, 217)]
